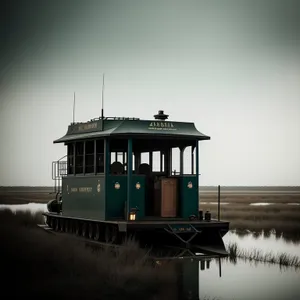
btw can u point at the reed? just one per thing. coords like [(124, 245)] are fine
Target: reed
[(23, 218), (43, 264), (250, 198), (47, 266), (280, 217), (283, 259)]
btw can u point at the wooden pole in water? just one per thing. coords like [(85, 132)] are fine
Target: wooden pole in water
[(218, 202)]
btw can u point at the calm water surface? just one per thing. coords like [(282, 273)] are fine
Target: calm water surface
[(247, 281), (32, 207), (215, 278), (270, 243)]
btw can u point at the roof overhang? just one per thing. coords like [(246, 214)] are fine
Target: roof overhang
[(137, 129)]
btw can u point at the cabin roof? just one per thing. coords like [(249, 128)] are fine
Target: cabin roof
[(126, 127)]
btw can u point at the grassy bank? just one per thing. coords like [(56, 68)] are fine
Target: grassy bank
[(281, 217), (288, 237), (251, 198), (44, 265), (283, 259), (13, 197)]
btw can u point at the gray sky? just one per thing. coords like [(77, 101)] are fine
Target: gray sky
[(232, 67)]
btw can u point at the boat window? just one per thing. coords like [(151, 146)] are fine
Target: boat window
[(187, 161), (145, 158), (162, 162), (175, 162), (79, 157), (89, 156), (70, 158), (118, 156), (156, 165), (100, 156)]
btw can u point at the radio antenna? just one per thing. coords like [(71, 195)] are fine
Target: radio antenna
[(74, 109), (102, 104)]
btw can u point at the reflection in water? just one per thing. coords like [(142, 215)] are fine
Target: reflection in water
[(287, 237), (215, 203), (261, 203), (254, 203), (265, 242), (187, 270), (245, 280), (256, 234), (213, 277), (266, 233)]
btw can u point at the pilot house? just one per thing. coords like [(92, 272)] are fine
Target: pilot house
[(123, 169)]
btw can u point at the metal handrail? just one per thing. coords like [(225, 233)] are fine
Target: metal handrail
[(57, 172)]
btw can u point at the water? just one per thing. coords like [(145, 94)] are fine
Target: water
[(32, 207), (215, 203), (247, 281), (254, 204), (264, 243), (224, 279), (261, 203)]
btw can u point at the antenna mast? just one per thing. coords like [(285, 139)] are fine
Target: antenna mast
[(74, 109), (102, 104)]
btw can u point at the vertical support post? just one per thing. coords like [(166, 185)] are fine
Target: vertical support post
[(137, 161), (193, 159), (129, 176), (197, 169), (181, 161), (219, 202), (168, 162), (161, 161), (197, 162), (151, 160)]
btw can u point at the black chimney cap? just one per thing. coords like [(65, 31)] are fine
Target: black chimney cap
[(161, 115)]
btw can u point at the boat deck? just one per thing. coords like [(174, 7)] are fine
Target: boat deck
[(151, 222)]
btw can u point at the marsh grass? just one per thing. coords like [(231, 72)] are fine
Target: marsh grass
[(287, 237), (13, 197), (250, 198), (233, 211), (283, 259), (42, 264), (21, 218), (280, 217)]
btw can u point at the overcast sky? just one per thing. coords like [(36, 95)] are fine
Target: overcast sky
[(232, 67)]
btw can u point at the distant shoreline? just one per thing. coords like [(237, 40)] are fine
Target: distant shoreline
[(204, 190)]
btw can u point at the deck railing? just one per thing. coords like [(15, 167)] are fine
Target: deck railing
[(59, 169)]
